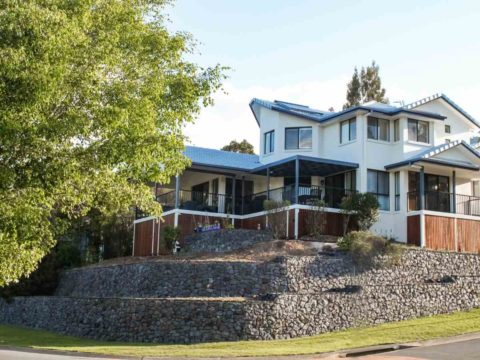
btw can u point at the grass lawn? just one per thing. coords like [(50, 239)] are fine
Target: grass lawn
[(405, 331)]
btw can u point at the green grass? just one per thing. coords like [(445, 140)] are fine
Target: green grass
[(404, 331)]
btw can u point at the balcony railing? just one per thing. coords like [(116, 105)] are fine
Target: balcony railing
[(219, 203), (445, 202)]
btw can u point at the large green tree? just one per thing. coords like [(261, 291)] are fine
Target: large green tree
[(94, 95), (364, 87), (243, 147)]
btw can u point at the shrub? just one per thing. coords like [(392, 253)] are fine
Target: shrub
[(364, 206), (276, 217), (44, 280), (171, 236), (367, 248)]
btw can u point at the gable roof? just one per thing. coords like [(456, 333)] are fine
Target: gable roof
[(221, 159), (320, 116), (428, 156), (449, 101)]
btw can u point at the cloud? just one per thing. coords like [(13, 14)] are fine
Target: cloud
[(231, 118)]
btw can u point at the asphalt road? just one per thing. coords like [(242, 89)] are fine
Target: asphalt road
[(462, 350), (27, 354)]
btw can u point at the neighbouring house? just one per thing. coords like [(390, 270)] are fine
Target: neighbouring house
[(419, 160)]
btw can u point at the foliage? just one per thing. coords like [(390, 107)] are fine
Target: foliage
[(365, 87), (171, 236), (93, 97), (365, 248), (363, 206), (243, 147), (44, 280), (317, 218), (103, 236), (276, 217)]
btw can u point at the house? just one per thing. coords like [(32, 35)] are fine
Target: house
[(419, 160)]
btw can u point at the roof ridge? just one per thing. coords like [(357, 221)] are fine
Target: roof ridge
[(448, 100), (422, 101), (224, 151)]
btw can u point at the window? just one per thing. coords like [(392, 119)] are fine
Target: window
[(348, 130), (378, 184), (269, 142), (418, 131), (378, 129), (448, 129), (397, 190), (396, 130), (447, 141), (298, 138)]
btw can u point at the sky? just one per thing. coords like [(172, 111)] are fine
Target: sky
[(304, 51)]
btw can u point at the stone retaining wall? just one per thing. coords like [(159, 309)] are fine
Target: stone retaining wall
[(202, 320), (306, 274), (289, 297)]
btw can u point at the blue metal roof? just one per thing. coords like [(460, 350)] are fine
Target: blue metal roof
[(448, 101), (427, 156), (221, 159), (323, 116)]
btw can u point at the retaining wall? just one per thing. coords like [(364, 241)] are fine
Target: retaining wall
[(289, 297)]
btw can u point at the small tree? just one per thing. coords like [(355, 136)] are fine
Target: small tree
[(243, 147), (276, 217), (365, 208)]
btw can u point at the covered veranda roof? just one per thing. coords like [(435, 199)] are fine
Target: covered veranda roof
[(309, 166), (435, 155)]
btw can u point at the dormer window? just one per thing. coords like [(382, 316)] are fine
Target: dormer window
[(298, 138), (269, 142), (418, 131)]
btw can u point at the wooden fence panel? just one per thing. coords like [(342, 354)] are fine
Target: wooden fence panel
[(143, 238), (413, 230), (439, 232), (468, 235)]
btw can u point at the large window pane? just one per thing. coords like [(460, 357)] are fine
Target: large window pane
[(422, 131), (291, 138), (412, 130), (396, 130), (372, 128), (305, 138), (353, 129), (372, 181), (378, 184), (269, 142), (344, 132), (383, 130)]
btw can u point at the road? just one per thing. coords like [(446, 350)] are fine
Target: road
[(461, 350)]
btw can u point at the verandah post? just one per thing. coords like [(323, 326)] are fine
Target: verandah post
[(297, 178), (454, 192), (268, 183)]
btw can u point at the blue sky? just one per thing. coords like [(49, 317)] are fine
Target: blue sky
[(305, 51)]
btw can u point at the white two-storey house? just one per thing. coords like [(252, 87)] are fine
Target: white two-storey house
[(419, 160)]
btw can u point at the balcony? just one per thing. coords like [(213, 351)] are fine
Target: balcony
[(249, 204), (444, 202)]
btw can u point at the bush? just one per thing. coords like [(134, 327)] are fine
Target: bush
[(366, 249), (276, 217), (44, 280), (170, 237), (364, 206)]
